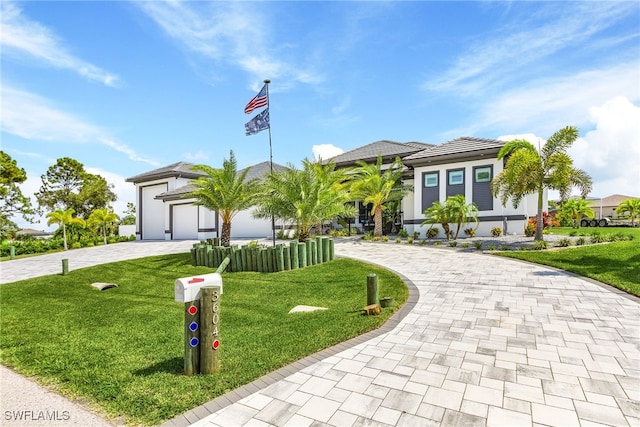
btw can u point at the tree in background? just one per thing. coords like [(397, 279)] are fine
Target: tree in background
[(63, 218), (102, 218), (225, 191), (305, 197), (439, 213), (632, 206), (528, 171), (13, 201), (574, 209), (373, 185), (66, 185), (129, 217)]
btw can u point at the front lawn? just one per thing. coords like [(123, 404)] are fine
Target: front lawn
[(122, 349), (634, 233), (616, 263)]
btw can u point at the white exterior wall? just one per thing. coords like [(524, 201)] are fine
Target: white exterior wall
[(244, 225), (526, 209), (408, 206)]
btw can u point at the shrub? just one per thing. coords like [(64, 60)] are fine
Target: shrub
[(596, 238), (492, 247), (385, 238), (76, 245), (432, 233), (539, 245), (504, 247), (375, 238), (529, 230), (436, 243), (563, 243), (453, 243), (410, 240), (403, 233), (416, 235), (465, 245), (471, 232), (496, 231), (423, 242), (398, 240), (478, 244), (580, 241)]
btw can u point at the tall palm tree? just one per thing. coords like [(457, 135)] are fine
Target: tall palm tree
[(372, 184), (101, 218), (461, 212), (306, 196), (574, 209), (528, 171), (225, 191), (630, 205), (63, 218)]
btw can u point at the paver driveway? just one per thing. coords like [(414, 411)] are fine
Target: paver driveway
[(491, 341)]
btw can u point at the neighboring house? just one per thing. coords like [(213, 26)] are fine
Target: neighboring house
[(38, 234), (164, 210), (606, 207), (461, 166)]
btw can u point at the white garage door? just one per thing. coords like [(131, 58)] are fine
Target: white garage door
[(152, 213), (185, 222)]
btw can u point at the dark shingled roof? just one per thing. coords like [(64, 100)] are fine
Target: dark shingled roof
[(389, 150), (180, 169), (463, 147), (257, 171)]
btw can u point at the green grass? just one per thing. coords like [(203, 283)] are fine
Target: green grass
[(122, 349), (602, 231), (617, 264)]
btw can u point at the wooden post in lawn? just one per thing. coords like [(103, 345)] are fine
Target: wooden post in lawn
[(372, 289), (325, 249), (309, 257), (279, 258), (332, 250), (287, 257), (209, 320), (294, 255), (65, 266), (314, 252), (12, 252), (302, 255), (319, 250), (191, 337)]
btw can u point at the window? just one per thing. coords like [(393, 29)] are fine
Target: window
[(431, 179), (483, 174), (456, 177)]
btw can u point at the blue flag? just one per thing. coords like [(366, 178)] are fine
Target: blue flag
[(259, 123)]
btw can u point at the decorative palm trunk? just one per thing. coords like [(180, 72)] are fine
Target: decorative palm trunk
[(377, 221), (226, 234), (104, 234), (64, 236), (304, 235)]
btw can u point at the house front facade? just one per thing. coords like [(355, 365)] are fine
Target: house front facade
[(461, 166)]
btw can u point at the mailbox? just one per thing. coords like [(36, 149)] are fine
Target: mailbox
[(187, 288)]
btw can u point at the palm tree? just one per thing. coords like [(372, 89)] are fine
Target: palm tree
[(439, 213), (373, 185), (461, 212), (630, 205), (574, 209), (528, 171), (101, 218), (63, 218), (225, 191), (306, 197)]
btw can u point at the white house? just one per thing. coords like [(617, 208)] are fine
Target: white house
[(462, 166), (165, 211)]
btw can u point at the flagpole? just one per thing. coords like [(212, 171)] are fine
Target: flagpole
[(273, 221)]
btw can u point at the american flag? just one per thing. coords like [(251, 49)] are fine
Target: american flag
[(258, 101)]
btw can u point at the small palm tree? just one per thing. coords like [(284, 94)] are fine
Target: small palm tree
[(373, 185), (630, 205), (101, 218), (528, 171), (226, 192), (63, 218), (439, 213), (576, 208), (461, 212)]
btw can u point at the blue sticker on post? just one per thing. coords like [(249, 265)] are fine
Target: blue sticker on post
[(193, 326), (194, 342)]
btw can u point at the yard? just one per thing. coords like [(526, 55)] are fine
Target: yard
[(122, 349)]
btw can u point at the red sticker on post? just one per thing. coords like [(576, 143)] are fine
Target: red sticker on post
[(193, 309), (215, 344), (196, 280)]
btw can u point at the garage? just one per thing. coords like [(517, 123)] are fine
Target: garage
[(185, 222), (152, 212)]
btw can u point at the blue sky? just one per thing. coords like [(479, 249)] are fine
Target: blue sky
[(125, 87)]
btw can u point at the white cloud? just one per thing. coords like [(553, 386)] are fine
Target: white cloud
[(33, 117), (326, 151), (21, 36), (610, 153), (197, 156)]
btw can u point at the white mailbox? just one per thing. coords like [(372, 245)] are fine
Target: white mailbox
[(187, 288)]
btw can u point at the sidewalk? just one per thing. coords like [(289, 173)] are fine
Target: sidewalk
[(490, 341)]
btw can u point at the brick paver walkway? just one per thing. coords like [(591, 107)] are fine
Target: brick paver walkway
[(490, 341)]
